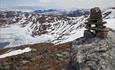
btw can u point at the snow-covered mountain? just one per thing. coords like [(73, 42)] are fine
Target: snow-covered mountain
[(19, 28), (70, 13), (49, 12), (77, 12)]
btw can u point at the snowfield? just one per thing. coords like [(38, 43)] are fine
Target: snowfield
[(19, 36), (110, 23)]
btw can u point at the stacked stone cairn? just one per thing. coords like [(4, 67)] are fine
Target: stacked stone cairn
[(95, 25)]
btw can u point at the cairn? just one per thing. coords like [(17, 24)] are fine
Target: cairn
[(95, 25)]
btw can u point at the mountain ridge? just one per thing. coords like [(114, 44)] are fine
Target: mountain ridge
[(32, 28)]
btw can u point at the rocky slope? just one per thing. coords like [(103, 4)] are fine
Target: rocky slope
[(93, 53), (27, 28)]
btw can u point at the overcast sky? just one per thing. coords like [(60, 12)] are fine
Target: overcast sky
[(59, 4)]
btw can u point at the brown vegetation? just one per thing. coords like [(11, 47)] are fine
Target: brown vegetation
[(42, 57)]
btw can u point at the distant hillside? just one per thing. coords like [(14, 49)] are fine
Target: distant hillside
[(72, 13)]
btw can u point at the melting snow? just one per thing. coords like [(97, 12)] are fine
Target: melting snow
[(15, 52), (16, 36)]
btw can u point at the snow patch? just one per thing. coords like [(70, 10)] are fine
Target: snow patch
[(110, 23), (15, 52)]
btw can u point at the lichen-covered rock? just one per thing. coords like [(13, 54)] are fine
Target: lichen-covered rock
[(93, 53)]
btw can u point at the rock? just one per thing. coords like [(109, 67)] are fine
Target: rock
[(95, 25), (95, 14), (102, 34), (93, 54), (88, 34)]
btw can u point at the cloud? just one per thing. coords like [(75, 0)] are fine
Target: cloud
[(68, 4), (60, 4), (45, 1)]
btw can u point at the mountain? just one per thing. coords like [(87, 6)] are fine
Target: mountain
[(78, 12), (28, 28), (20, 28), (22, 8), (71, 13), (44, 42), (49, 12)]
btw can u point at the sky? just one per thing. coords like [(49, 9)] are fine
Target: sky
[(59, 4)]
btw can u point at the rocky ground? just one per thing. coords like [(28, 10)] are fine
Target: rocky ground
[(93, 54)]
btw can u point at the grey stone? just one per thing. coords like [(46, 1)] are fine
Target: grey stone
[(95, 14), (93, 54), (88, 34)]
